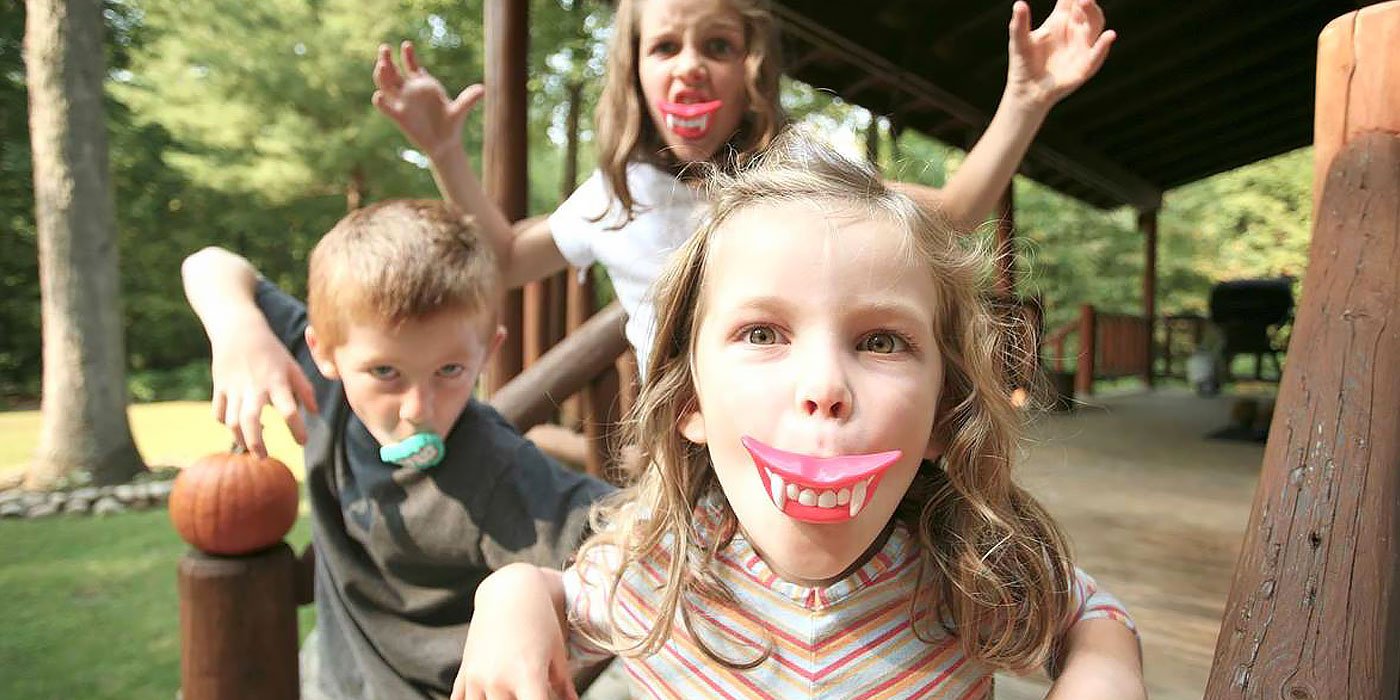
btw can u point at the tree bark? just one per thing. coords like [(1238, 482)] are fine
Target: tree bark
[(85, 427)]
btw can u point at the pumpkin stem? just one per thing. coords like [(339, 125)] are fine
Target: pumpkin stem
[(238, 448)]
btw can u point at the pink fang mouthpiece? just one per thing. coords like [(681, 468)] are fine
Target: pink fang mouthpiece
[(819, 489)]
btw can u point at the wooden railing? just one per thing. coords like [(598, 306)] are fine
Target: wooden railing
[(1109, 346)]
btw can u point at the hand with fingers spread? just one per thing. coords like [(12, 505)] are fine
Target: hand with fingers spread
[(253, 370), (1058, 56), (419, 104), (515, 645)]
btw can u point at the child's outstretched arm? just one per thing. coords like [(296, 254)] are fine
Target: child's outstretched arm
[(251, 367), (515, 644), (419, 104), (1045, 65), (1101, 659)]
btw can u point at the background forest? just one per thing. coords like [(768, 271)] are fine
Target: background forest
[(249, 125)]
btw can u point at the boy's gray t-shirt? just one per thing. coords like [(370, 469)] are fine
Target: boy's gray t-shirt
[(399, 551)]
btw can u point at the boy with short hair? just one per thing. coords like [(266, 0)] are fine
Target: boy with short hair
[(417, 490)]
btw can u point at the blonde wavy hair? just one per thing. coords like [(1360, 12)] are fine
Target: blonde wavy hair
[(995, 571), (625, 130)]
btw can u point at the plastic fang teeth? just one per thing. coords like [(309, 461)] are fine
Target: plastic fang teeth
[(807, 497), (858, 498), (775, 485), (792, 491), (843, 497), (827, 499), (700, 123)]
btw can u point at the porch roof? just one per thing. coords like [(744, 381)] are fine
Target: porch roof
[(1189, 89)]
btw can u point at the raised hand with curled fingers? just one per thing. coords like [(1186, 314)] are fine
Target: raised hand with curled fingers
[(419, 104), (1054, 59)]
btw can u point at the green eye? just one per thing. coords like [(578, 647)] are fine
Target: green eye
[(383, 372), (761, 335), (883, 343), (451, 370)]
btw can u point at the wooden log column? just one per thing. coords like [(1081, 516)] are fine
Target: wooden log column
[(504, 157), (1314, 611), (1147, 223), (1006, 243), (238, 626)]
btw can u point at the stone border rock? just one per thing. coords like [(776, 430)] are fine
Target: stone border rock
[(98, 501)]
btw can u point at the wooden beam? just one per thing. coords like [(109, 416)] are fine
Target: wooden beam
[(1216, 102), (1088, 349), (1006, 242), (1226, 127), (1183, 59), (1170, 102), (1147, 223), (1245, 139), (569, 366), (1314, 610), (1074, 159), (504, 159)]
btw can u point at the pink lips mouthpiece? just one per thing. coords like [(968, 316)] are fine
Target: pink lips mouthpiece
[(692, 110), (836, 488)]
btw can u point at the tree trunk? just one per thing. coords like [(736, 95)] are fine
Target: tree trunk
[(85, 427)]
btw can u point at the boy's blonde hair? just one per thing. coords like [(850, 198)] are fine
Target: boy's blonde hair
[(397, 261), (625, 130), (995, 569)]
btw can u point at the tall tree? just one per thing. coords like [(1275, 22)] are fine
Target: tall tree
[(85, 427)]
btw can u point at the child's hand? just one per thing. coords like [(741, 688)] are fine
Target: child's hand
[(417, 102), (251, 373), (1056, 58), (515, 644)]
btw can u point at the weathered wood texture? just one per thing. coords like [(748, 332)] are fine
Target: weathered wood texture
[(589, 350), (1314, 610), (504, 163), (238, 626)]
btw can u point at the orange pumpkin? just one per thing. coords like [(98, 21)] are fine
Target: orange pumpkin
[(234, 503)]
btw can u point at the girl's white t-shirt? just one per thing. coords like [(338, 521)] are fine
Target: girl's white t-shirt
[(667, 212)]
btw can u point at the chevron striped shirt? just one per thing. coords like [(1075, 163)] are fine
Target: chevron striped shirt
[(852, 639)]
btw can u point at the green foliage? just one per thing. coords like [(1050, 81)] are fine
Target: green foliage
[(244, 124), (188, 382)]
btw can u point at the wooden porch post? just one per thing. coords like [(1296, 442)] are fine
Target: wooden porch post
[(1084, 370), (504, 160), (1147, 223), (1314, 610), (1006, 244)]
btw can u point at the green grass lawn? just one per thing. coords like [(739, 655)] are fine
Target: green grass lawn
[(90, 604), (173, 433)]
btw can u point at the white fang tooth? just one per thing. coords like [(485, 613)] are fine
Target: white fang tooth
[(827, 499), (670, 121), (792, 491), (807, 497), (843, 497), (857, 499), (775, 485)]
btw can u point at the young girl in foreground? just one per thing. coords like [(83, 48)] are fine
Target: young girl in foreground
[(826, 507), (697, 81)]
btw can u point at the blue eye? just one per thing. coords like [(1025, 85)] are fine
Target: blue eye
[(721, 48), (883, 343)]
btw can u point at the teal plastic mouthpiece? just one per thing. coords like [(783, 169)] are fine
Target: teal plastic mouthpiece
[(420, 451)]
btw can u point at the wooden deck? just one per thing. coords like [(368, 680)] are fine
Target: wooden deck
[(1156, 512)]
